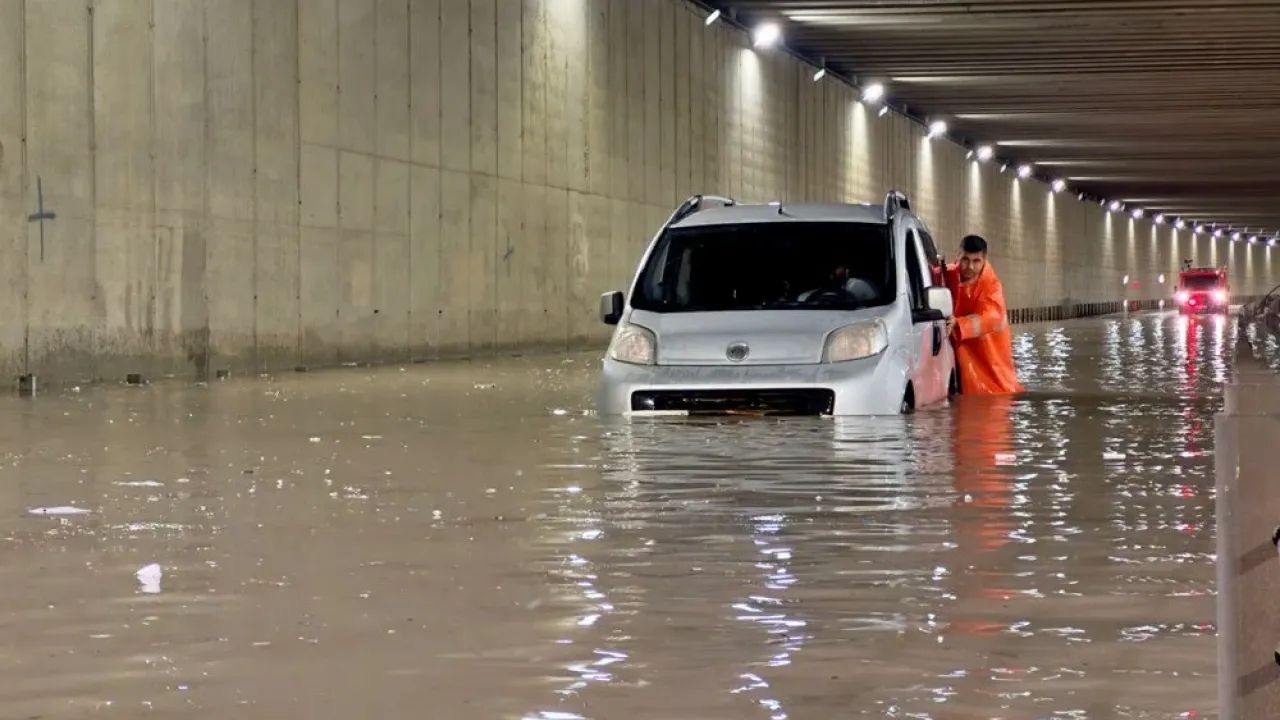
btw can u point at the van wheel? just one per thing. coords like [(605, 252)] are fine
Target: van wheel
[(909, 400), (953, 386)]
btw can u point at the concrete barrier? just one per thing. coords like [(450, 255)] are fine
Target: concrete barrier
[(1248, 513)]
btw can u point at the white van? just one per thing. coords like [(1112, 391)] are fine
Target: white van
[(821, 309)]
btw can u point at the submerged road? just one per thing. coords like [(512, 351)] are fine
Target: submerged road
[(470, 541)]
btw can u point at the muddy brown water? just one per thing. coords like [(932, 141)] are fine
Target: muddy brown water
[(469, 541)]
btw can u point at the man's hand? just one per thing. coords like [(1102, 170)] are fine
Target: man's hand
[(951, 326)]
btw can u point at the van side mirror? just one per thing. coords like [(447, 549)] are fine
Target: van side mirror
[(939, 300), (611, 307)]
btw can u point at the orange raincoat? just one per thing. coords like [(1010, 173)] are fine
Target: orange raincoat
[(984, 344)]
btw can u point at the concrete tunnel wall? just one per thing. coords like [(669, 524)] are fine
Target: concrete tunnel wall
[(258, 184)]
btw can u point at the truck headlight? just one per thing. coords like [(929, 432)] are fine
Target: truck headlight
[(857, 341), (634, 345)]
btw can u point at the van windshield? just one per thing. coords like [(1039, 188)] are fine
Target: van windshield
[(768, 266)]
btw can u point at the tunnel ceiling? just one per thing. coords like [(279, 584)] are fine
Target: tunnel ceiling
[(1170, 105)]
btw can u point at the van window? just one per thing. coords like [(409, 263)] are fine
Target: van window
[(768, 266), (915, 276), (931, 255)]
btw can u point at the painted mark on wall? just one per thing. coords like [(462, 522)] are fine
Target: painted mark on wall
[(41, 214)]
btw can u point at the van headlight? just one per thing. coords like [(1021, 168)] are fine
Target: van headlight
[(857, 341), (634, 345)]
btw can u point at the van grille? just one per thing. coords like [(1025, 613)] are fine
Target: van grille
[(753, 402)]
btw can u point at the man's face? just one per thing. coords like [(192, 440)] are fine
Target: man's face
[(971, 265)]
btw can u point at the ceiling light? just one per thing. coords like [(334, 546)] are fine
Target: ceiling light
[(986, 152), (872, 92), (1059, 185), (714, 16), (1004, 166), (1024, 171), (820, 74), (767, 35), (1137, 213), (1159, 218), (937, 128), (1116, 205)]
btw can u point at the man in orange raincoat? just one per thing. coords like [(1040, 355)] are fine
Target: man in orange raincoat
[(980, 325)]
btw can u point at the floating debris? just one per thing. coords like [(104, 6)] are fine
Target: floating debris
[(58, 510), (149, 578)]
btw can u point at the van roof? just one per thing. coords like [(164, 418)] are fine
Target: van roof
[(790, 212)]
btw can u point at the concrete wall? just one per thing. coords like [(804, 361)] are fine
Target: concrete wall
[(257, 184)]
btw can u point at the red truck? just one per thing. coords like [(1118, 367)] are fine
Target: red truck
[(1203, 290)]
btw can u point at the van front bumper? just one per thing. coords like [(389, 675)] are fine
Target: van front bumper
[(872, 386)]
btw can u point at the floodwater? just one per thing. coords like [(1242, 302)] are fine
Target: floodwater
[(470, 541)]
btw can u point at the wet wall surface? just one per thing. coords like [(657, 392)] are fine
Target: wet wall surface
[(470, 541)]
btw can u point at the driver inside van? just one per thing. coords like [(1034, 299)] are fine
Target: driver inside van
[(839, 282)]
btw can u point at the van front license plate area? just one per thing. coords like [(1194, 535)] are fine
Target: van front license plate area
[(767, 402)]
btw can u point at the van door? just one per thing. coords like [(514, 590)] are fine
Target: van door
[(930, 374)]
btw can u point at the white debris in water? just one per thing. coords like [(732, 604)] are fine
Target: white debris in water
[(149, 578), (1006, 458), (58, 510), (1111, 455), (140, 483)]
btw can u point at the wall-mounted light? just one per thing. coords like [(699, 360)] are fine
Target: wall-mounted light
[(1059, 185), (1180, 224), (986, 152), (712, 18), (1159, 218), (822, 72), (1199, 229), (1125, 281), (1137, 213), (937, 128), (1024, 171), (1161, 278), (767, 35), (1217, 233), (872, 93), (1116, 205), (1235, 236)]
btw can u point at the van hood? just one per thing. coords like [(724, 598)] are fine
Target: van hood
[(772, 337)]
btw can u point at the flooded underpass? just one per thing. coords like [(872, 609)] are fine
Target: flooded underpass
[(470, 541)]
